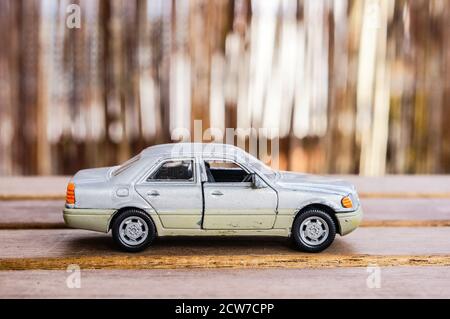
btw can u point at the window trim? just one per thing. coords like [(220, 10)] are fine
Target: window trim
[(233, 184), (161, 162)]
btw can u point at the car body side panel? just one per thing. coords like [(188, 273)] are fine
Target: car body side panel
[(98, 195), (100, 189), (177, 204), (293, 201), (284, 221), (223, 232), (107, 195), (290, 202), (239, 206)]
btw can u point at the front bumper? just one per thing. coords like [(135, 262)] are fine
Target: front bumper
[(89, 219), (348, 222)]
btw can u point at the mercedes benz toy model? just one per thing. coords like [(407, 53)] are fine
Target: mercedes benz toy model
[(194, 189)]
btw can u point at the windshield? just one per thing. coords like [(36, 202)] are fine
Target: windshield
[(260, 166), (126, 165)]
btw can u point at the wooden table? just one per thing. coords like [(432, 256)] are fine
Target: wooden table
[(405, 238)]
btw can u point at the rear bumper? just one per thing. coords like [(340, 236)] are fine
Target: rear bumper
[(348, 222), (89, 219)]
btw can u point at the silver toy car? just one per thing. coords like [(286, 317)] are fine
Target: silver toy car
[(195, 189)]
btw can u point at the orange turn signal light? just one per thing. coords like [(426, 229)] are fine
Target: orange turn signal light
[(70, 194), (347, 202)]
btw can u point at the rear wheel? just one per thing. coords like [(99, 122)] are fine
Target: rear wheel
[(133, 230), (313, 230)]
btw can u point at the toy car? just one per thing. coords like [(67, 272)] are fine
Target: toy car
[(195, 189)]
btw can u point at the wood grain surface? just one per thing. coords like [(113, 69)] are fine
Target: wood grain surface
[(364, 241), (405, 232), (347, 282)]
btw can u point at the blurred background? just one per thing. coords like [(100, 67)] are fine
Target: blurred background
[(352, 86)]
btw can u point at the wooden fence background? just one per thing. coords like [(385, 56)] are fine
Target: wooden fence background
[(352, 86)]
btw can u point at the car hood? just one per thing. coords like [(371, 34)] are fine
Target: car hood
[(296, 181), (90, 175)]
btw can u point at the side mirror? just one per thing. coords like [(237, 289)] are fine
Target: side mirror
[(257, 182)]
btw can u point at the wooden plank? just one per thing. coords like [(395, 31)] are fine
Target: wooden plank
[(391, 186), (251, 261), (33, 187), (406, 209), (380, 241), (31, 214), (401, 186), (396, 282)]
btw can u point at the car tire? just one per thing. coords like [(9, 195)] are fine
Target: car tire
[(133, 230), (313, 230)]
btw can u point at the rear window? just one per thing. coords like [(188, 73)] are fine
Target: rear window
[(174, 171), (126, 165)]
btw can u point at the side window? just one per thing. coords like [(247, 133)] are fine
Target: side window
[(225, 172), (174, 171)]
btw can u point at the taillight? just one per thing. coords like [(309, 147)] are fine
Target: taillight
[(70, 194)]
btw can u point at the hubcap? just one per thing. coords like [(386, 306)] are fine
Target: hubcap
[(314, 231), (133, 230)]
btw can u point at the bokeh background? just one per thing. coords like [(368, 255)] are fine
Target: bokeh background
[(353, 86)]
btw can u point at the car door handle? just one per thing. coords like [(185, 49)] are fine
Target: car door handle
[(153, 193), (217, 193)]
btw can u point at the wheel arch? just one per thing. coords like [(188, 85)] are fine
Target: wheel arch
[(327, 209), (124, 209)]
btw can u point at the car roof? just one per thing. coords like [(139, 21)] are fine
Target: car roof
[(189, 149)]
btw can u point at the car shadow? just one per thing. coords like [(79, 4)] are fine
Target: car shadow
[(100, 244)]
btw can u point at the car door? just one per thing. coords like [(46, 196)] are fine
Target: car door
[(174, 190), (231, 200)]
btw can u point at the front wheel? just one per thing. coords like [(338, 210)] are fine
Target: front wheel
[(313, 230), (133, 231)]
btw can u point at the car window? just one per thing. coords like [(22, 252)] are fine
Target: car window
[(219, 171), (174, 171)]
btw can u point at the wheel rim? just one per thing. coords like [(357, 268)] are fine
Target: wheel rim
[(314, 231), (133, 230)]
